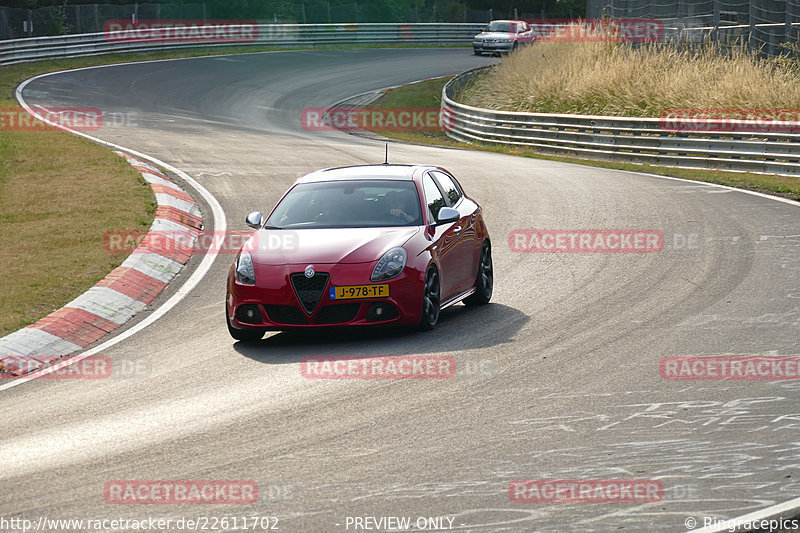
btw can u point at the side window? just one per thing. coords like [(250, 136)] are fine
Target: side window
[(433, 196), (451, 191)]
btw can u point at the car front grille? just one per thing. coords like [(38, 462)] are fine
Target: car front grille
[(309, 290), (285, 314), (336, 314)]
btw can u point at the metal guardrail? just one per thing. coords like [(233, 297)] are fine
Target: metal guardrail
[(38, 48), (636, 140)]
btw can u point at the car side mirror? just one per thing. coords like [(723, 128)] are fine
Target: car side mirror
[(448, 214), (254, 219)]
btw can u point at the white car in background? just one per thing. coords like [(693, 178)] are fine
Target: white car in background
[(503, 36)]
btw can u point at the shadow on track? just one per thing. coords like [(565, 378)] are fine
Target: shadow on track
[(460, 328)]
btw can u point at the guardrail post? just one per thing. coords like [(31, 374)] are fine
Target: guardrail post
[(715, 21)]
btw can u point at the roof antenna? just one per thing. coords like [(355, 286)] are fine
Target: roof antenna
[(386, 157)]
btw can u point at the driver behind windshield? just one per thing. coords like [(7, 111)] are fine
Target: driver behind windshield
[(398, 208)]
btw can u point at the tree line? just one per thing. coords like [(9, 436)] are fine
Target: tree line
[(367, 10)]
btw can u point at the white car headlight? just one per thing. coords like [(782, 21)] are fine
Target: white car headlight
[(244, 271), (390, 265)]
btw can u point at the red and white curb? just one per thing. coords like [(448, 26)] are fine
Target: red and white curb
[(114, 300)]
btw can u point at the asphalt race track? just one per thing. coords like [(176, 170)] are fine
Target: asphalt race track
[(557, 379)]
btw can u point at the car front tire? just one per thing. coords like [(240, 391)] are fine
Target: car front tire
[(484, 283), (431, 300)]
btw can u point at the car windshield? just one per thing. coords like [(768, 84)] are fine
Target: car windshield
[(348, 204), (499, 27)]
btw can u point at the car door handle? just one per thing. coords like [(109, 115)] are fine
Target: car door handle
[(456, 229)]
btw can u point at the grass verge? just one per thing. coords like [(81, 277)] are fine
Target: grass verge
[(618, 79), (59, 194), (428, 94)]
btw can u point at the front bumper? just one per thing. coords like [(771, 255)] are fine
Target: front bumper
[(487, 46), (273, 303)]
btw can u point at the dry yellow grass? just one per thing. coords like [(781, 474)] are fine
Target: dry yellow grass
[(59, 194), (606, 78)]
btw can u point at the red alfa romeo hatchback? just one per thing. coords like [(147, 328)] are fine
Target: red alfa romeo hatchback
[(358, 246)]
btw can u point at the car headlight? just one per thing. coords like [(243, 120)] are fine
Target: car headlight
[(390, 265), (244, 271)]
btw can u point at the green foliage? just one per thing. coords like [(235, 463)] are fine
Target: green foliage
[(60, 26), (323, 11)]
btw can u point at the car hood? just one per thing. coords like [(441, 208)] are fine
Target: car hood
[(494, 35), (317, 246)]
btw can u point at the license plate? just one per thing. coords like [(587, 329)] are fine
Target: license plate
[(359, 291)]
